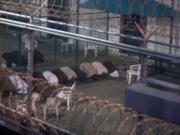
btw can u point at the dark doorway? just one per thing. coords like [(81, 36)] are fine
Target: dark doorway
[(129, 28)]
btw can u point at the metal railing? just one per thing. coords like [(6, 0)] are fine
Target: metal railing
[(89, 39)]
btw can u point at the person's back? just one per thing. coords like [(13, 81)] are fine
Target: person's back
[(101, 69), (5, 84), (51, 78), (80, 74), (89, 69), (60, 75), (71, 75)]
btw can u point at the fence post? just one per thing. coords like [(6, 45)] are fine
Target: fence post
[(30, 67), (55, 49), (171, 28), (31, 51), (143, 61), (19, 61), (107, 30), (77, 31), (171, 31)]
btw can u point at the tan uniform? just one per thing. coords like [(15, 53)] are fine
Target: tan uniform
[(68, 72), (101, 69), (88, 68)]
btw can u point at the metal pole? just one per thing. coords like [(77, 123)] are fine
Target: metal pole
[(143, 61), (93, 40), (55, 49), (107, 29), (87, 28), (77, 31), (121, 31), (171, 34), (30, 67), (91, 23), (36, 120), (171, 29), (177, 31), (19, 61), (31, 54)]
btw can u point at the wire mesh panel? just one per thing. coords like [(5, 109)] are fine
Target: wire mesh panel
[(92, 44), (93, 115), (114, 18)]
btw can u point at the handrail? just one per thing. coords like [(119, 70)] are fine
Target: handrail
[(90, 39)]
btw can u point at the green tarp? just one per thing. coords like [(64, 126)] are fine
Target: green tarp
[(148, 8)]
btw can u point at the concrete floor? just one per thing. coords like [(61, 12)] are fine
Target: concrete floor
[(105, 88), (111, 89)]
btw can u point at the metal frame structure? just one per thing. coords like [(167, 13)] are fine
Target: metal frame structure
[(142, 51), (2, 107), (88, 38), (139, 50), (87, 28)]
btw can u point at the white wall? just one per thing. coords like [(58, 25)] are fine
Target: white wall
[(95, 24), (162, 25), (162, 34)]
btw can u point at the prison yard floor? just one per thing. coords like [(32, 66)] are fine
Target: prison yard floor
[(111, 89)]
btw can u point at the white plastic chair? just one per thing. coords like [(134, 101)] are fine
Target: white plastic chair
[(134, 70), (66, 94), (90, 46), (21, 104), (52, 103), (69, 43)]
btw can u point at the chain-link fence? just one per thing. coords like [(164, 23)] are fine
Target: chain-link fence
[(87, 115), (108, 20), (92, 43)]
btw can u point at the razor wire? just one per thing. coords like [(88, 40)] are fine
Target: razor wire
[(88, 28), (87, 115)]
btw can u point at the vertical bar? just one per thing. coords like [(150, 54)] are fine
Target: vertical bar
[(177, 30), (77, 31), (155, 65), (121, 30), (30, 70), (160, 66), (30, 67), (40, 18), (143, 60), (19, 61), (91, 23), (171, 31), (171, 28), (171, 34), (55, 49), (0, 6), (31, 54), (107, 30)]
